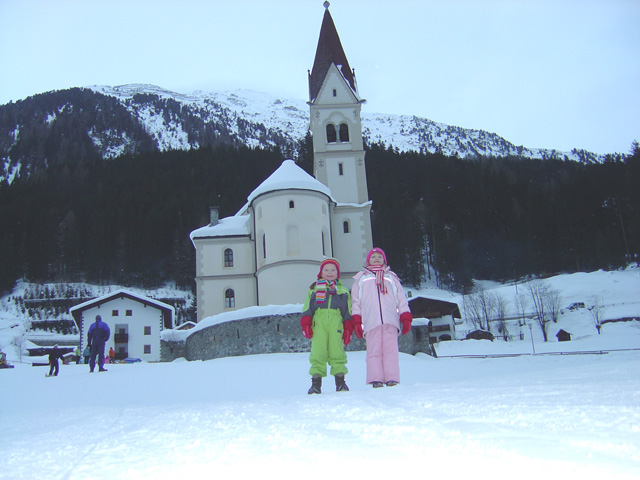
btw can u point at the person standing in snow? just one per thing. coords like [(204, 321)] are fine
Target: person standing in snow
[(112, 355), (380, 313), (98, 335), (327, 307), (54, 356), (86, 354)]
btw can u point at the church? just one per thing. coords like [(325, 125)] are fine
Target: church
[(269, 252)]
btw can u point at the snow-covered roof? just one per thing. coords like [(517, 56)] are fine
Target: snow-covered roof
[(289, 176), (237, 225), (169, 311)]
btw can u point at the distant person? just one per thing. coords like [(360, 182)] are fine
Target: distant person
[(327, 307), (380, 313), (98, 335), (55, 355), (77, 352), (86, 354), (112, 355)]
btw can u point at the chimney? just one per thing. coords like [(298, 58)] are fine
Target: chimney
[(214, 214)]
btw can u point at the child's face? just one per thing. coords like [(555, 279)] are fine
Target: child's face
[(376, 259), (329, 272)]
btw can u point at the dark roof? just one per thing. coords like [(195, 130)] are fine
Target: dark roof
[(329, 51), (433, 308)]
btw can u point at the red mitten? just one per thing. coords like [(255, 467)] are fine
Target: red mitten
[(357, 325), (347, 331), (305, 323), (406, 318)]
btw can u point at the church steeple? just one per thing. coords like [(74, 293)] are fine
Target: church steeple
[(328, 52), (338, 147)]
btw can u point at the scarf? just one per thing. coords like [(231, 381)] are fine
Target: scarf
[(323, 287), (379, 271)]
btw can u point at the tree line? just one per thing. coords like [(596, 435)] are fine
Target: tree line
[(127, 220)]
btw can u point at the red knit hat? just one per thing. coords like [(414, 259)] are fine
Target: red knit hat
[(327, 261), (376, 250)]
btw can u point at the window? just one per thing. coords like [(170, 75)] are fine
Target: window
[(345, 226), (331, 133), (344, 132), (335, 92), (264, 246), (147, 330), (129, 313), (291, 204), (340, 169), (229, 299), (147, 349), (114, 313), (228, 258)]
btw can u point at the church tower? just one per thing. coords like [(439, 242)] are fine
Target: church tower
[(338, 149)]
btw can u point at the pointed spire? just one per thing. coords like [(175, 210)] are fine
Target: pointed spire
[(329, 51)]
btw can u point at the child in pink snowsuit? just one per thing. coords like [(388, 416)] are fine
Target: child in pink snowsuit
[(380, 312)]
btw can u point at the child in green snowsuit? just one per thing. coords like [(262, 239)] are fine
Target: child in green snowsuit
[(327, 307)]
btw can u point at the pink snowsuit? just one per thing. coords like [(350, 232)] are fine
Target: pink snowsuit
[(380, 322)]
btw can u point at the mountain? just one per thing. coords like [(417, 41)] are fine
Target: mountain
[(105, 122)]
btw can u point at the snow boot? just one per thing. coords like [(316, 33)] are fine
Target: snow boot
[(316, 384), (391, 383), (341, 386), (377, 384)]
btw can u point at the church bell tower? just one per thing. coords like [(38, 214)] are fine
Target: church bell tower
[(338, 149)]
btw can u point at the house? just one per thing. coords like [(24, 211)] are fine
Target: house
[(135, 322), (270, 250), (563, 336), (441, 315)]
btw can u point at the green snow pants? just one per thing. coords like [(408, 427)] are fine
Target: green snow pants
[(327, 346)]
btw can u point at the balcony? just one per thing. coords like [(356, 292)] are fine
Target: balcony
[(121, 338)]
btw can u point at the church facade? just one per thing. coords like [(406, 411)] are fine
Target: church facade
[(270, 251)]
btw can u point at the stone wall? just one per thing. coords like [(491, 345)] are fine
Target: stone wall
[(268, 334)]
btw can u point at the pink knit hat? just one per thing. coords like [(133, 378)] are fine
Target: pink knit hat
[(327, 261), (376, 250)]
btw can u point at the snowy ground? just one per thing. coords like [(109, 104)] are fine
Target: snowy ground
[(558, 416), (543, 415)]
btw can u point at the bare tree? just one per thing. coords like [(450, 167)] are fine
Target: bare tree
[(553, 300), (473, 310), (597, 312), (482, 307), (539, 292), (500, 310)]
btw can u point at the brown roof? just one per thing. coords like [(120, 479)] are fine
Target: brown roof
[(329, 51)]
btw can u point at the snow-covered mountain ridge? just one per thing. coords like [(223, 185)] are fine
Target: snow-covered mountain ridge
[(106, 122), (289, 119)]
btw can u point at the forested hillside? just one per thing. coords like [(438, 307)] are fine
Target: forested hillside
[(127, 220)]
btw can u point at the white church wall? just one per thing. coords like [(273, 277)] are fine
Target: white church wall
[(286, 283), (290, 226), (351, 247), (212, 294)]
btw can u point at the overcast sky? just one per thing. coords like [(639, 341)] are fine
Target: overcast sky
[(557, 74)]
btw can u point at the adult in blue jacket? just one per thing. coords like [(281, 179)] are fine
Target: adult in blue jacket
[(98, 335)]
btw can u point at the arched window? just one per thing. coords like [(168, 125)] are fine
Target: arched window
[(345, 226), (291, 204), (264, 246), (331, 133), (344, 132), (228, 258), (229, 299)]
